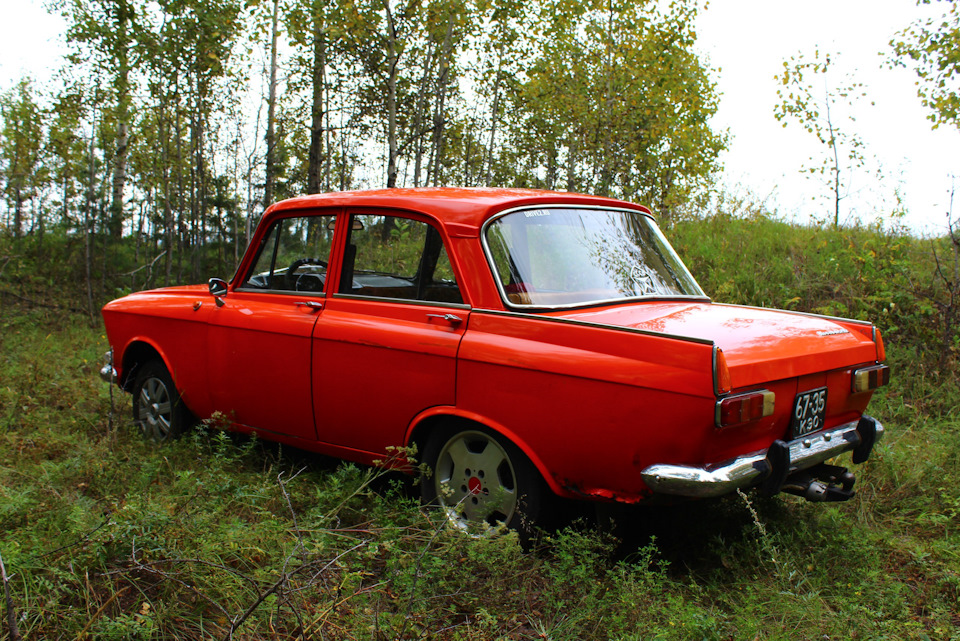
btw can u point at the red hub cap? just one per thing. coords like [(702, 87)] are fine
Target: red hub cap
[(474, 485)]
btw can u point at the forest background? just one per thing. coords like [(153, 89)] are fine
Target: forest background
[(150, 165)]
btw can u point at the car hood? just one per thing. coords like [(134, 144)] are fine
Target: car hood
[(759, 345)]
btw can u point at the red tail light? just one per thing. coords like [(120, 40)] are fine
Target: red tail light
[(744, 408)]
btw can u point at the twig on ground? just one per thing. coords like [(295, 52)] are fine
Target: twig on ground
[(12, 628), (83, 538)]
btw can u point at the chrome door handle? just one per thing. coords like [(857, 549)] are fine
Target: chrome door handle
[(450, 318), (312, 304)]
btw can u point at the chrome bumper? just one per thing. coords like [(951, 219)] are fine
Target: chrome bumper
[(752, 469)]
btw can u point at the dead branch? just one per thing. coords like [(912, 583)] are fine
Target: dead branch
[(96, 615), (146, 265), (11, 610), (293, 513), (82, 539)]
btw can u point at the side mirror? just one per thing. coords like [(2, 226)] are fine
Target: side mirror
[(218, 288)]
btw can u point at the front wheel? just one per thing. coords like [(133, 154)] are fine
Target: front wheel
[(481, 481), (157, 408)]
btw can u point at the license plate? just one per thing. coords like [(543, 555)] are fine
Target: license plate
[(809, 411)]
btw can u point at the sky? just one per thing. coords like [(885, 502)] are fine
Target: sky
[(746, 42)]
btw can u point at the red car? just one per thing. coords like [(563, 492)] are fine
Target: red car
[(526, 342)]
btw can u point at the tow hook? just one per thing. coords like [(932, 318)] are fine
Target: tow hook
[(821, 483)]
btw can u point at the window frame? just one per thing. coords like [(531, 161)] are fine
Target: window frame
[(438, 229)]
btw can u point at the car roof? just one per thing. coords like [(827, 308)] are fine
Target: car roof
[(462, 210)]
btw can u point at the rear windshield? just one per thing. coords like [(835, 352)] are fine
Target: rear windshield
[(557, 257)]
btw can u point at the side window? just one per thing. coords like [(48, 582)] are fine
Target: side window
[(395, 257), (294, 255)]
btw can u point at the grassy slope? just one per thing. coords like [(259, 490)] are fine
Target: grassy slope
[(109, 537)]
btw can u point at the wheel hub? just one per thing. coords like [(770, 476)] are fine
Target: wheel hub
[(474, 485)]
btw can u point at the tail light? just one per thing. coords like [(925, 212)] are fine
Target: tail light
[(870, 378), (881, 350), (744, 408), (721, 373)]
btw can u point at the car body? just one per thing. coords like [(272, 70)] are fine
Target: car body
[(528, 343)]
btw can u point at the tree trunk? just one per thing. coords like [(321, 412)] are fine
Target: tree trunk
[(88, 222), (392, 64), (439, 115), (316, 160), (419, 116), (494, 118), (393, 59), (572, 164), (271, 161), (122, 84)]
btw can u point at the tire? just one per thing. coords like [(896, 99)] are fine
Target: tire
[(157, 408), (482, 481)]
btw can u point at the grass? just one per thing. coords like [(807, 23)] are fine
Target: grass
[(105, 536)]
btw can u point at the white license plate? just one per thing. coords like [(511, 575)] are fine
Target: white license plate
[(809, 411)]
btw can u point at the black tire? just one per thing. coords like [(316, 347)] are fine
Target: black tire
[(157, 408), (481, 480)]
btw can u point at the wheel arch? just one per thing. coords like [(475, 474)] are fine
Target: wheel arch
[(137, 352), (437, 418)]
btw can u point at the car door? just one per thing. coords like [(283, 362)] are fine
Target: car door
[(260, 338), (385, 346)]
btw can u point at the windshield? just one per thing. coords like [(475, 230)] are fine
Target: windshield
[(566, 256)]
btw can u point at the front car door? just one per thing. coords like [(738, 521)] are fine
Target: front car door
[(260, 365), (385, 347)]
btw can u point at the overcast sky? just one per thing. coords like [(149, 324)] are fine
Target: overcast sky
[(746, 41)]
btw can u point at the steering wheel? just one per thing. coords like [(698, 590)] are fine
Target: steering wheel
[(297, 264)]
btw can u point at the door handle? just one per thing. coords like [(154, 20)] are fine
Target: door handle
[(450, 318), (312, 304)]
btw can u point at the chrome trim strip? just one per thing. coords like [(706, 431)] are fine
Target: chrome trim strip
[(408, 301), (747, 470), (716, 373), (503, 294), (571, 321)]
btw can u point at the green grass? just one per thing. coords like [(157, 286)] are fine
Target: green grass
[(106, 536)]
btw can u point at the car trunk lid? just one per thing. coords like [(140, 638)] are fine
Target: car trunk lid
[(759, 345)]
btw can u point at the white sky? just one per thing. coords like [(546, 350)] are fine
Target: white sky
[(747, 41)]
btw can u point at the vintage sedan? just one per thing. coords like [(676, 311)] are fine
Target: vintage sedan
[(527, 343)]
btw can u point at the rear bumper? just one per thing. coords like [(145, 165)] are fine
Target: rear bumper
[(767, 467)]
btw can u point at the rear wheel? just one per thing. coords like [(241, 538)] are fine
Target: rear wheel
[(481, 480), (157, 408)]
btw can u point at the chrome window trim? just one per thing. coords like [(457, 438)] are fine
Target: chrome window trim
[(283, 292), (408, 301), (491, 265)]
